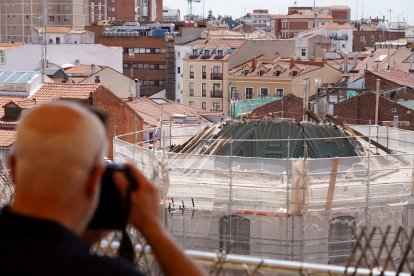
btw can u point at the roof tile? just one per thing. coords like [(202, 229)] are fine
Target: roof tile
[(53, 91)]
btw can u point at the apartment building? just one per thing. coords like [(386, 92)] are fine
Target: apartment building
[(275, 77), (205, 72), (341, 36), (258, 19), (144, 52), (206, 68), (112, 10), (341, 14), (18, 17), (296, 23)]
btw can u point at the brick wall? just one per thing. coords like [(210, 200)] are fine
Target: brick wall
[(370, 83), (361, 109), (122, 10), (121, 118), (340, 16), (370, 37), (290, 107)]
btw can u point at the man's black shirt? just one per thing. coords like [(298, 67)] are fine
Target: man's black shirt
[(31, 246)]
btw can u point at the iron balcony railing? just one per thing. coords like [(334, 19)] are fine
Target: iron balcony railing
[(216, 76), (216, 94)]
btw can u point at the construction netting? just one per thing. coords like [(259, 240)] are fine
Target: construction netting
[(294, 208), (246, 106)]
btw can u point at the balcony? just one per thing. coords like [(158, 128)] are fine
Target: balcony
[(342, 37), (216, 76), (216, 94)]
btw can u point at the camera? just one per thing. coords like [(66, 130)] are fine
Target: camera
[(113, 210)]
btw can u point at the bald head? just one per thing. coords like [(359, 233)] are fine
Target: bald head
[(57, 150), (58, 139)]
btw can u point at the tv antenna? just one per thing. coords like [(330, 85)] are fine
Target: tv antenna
[(190, 6)]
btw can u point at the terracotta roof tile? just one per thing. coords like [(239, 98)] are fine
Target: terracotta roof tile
[(81, 69), (57, 29), (396, 76), (7, 138), (53, 91), (150, 110)]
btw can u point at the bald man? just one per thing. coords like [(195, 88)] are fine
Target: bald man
[(56, 166)]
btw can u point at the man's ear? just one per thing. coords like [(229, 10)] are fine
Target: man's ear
[(12, 167), (94, 181)]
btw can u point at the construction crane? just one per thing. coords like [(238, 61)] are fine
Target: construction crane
[(190, 6)]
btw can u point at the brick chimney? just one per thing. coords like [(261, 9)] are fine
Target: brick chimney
[(292, 63), (254, 63)]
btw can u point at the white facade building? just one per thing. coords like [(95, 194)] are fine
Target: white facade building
[(180, 52), (341, 36), (15, 59)]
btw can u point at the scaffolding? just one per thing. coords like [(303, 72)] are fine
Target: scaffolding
[(298, 209)]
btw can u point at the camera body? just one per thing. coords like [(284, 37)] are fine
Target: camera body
[(113, 210)]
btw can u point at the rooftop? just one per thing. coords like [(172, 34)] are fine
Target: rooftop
[(396, 76), (151, 109), (53, 91)]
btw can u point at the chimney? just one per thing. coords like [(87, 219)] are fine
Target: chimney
[(254, 63), (93, 69), (77, 62), (292, 63), (355, 61), (70, 80), (97, 79), (346, 63)]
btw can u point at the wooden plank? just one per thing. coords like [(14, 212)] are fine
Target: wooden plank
[(357, 133), (332, 184)]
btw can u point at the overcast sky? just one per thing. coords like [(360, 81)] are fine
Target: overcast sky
[(400, 9)]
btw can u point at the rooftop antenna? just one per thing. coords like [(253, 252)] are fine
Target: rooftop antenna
[(314, 13), (190, 7)]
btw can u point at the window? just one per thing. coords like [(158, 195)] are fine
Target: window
[(191, 103), (372, 38), (261, 72), (51, 18), (207, 53), (220, 53), (279, 92), (234, 92), (341, 239), (157, 50), (204, 71), (191, 88), (66, 7), (246, 72), (204, 89), (264, 92), (303, 53), (50, 7), (162, 66), (216, 106), (237, 229), (191, 71), (126, 65), (203, 105), (278, 72), (249, 93), (178, 70), (362, 39), (2, 57), (195, 52), (294, 73)]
